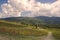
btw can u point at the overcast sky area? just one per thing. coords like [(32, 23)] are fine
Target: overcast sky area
[(29, 8)]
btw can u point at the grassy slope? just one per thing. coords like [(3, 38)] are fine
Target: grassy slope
[(25, 20), (14, 28)]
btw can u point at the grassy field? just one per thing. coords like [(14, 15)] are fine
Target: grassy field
[(18, 31), (56, 33)]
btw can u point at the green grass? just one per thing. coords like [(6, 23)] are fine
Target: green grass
[(19, 29), (56, 33), (22, 31), (10, 37)]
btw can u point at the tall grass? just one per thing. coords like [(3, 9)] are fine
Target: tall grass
[(19, 29), (56, 33)]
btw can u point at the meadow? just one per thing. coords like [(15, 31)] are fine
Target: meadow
[(56, 33), (19, 31)]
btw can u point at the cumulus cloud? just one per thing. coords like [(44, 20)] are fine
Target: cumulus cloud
[(14, 8)]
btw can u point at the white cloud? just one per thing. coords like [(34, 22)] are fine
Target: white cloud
[(14, 8)]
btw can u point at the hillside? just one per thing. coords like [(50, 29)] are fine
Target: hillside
[(40, 21), (50, 20), (25, 20), (28, 28), (20, 31)]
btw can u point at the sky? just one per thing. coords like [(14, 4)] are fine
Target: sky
[(2, 2), (29, 8), (46, 1)]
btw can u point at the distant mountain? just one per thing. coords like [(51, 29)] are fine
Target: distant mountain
[(41, 21), (38, 19), (25, 20), (51, 20)]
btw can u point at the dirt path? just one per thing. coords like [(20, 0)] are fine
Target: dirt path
[(48, 37)]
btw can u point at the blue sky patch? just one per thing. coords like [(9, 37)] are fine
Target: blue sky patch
[(46, 1), (2, 2)]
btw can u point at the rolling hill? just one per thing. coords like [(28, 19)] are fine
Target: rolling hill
[(41, 21), (51, 20), (25, 27)]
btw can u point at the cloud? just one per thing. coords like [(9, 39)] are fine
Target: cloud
[(14, 8)]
